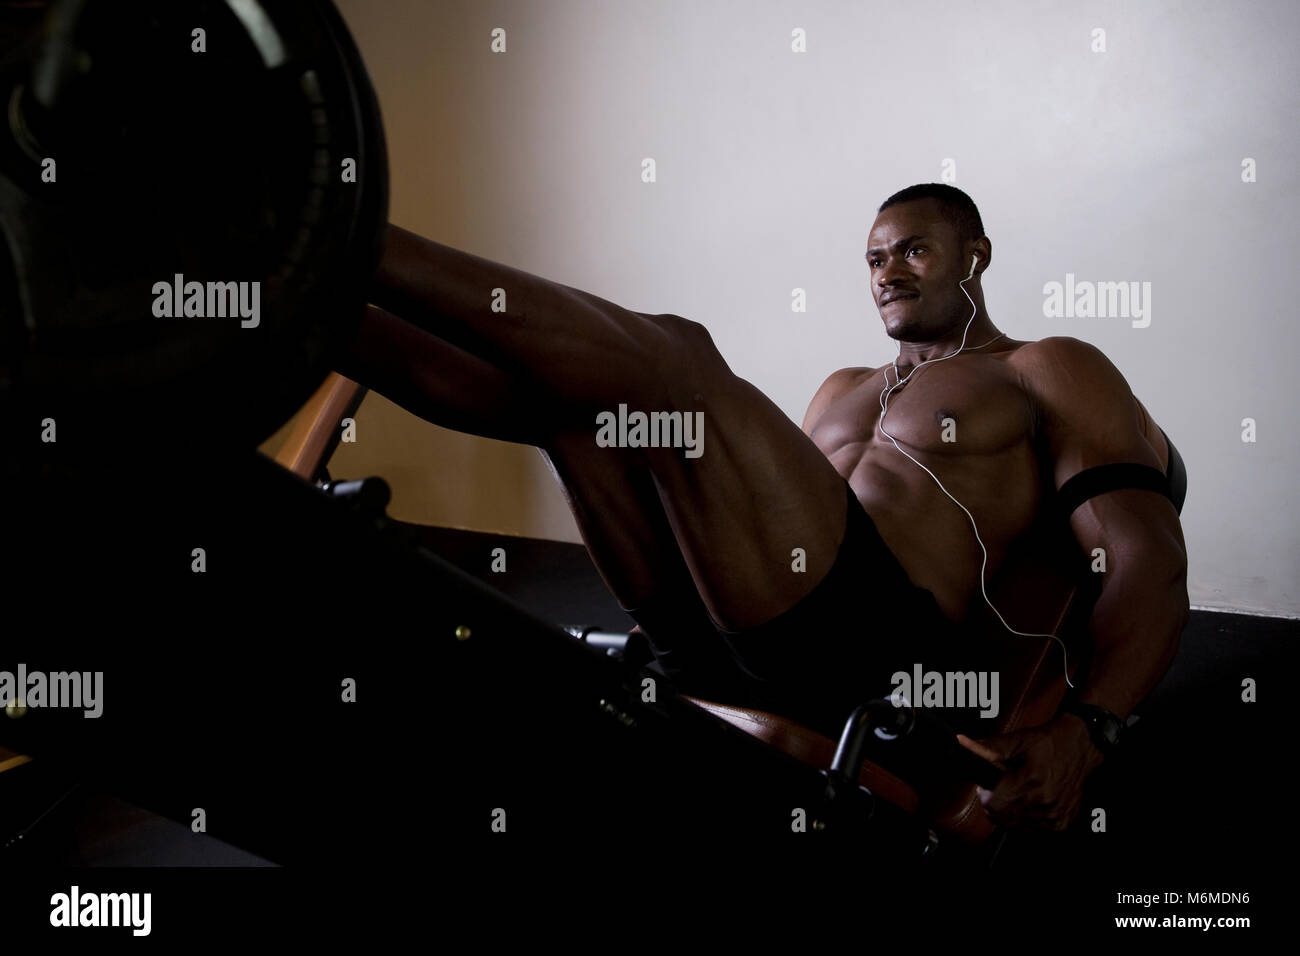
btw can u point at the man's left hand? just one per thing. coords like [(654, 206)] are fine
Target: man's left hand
[(1045, 770)]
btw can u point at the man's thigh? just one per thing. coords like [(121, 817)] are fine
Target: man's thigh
[(755, 507)]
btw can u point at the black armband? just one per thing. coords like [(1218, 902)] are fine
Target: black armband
[(1095, 481)]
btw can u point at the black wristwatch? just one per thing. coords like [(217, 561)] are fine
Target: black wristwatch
[(1105, 729)]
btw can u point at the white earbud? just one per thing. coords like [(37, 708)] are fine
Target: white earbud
[(974, 260)]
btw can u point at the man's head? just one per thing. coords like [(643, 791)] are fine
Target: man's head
[(919, 249)]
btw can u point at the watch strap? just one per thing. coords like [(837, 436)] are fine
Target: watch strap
[(1105, 729)]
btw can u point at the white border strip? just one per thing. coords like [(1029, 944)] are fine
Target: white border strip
[(1249, 613)]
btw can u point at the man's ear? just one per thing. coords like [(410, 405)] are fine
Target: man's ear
[(982, 249)]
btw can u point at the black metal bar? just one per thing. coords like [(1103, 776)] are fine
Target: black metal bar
[(888, 720)]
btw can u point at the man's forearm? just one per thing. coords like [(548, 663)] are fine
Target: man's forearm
[(1135, 628)]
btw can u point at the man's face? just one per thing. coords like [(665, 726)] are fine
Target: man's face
[(916, 262)]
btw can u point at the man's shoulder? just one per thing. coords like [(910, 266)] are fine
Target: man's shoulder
[(837, 385), (844, 380), (1078, 395), (852, 373), (1057, 350), (1062, 370)]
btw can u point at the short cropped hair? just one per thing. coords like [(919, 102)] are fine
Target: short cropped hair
[(958, 208)]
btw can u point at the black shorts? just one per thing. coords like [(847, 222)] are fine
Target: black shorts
[(838, 647)]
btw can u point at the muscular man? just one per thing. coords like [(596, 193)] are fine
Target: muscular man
[(699, 549)]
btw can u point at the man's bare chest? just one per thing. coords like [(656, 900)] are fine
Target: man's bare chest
[(966, 406)]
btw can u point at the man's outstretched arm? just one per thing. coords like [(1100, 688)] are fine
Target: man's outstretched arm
[(1087, 417)]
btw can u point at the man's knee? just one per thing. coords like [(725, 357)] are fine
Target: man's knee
[(688, 362), (680, 333)]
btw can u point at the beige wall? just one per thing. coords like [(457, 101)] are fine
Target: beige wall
[(1122, 165)]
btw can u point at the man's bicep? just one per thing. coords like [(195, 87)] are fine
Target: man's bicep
[(1131, 530)]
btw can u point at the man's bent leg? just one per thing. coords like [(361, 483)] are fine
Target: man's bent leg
[(836, 631), (758, 514), (610, 492), (619, 504), (612, 496)]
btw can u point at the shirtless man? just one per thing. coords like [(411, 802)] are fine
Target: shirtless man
[(677, 538)]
